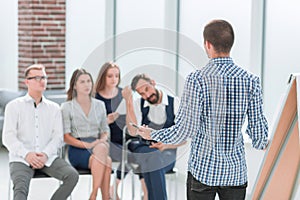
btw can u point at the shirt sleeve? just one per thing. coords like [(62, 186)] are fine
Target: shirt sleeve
[(10, 132), (66, 117), (257, 128), (187, 120), (103, 124)]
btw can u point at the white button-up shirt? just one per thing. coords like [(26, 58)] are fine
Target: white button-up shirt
[(157, 112), (29, 128)]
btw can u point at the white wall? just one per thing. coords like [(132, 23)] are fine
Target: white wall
[(85, 31), (196, 14), (136, 21), (8, 44), (281, 54), (282, 51)]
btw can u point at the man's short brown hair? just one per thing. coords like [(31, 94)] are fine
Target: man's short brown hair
[(33, 67), (220, 34)]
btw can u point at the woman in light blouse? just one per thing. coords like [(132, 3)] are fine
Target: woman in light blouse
[(87, 132)]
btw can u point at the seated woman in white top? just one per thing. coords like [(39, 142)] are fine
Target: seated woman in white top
[(87, 132)]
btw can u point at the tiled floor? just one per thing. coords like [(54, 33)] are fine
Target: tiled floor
[(41, 189)]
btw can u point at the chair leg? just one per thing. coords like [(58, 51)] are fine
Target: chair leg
[(141, 191), (132, 185), (9, 189), (115, 185), (176, 178), (90, 185), (172, 183)]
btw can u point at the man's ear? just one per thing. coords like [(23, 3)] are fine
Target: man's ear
[(153, 82), (26, 81), (207, 44)]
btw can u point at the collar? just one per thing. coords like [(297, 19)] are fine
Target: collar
[(164, 100), (28, 98), (221, 60)]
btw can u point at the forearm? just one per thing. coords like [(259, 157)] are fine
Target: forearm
[(175, 146), (10, 137), (70, 140), (130, 117), (14, 146)]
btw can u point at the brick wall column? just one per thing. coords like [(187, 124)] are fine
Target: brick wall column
[(41, 38)]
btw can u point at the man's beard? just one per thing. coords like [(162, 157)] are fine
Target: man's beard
[(155, 100)]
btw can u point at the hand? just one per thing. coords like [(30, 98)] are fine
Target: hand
[(36, 160), (43, 157), (90, 145), (127, 93), (104, 141), (159, 145), (145, 132), (266, 148), (112, 117)]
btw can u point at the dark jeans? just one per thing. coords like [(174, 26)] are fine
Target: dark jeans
[(197, 190)]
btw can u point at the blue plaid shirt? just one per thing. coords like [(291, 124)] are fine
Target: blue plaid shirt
[(214, 106)]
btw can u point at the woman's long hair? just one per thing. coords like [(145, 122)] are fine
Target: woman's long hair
[(71, 93), (101, 79)]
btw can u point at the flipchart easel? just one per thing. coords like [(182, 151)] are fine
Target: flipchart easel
[(278, 177)]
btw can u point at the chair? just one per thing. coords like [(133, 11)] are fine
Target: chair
[(172, 174), (80, 171), (126, 164), (114, 171), (37, 174), (84, 172)]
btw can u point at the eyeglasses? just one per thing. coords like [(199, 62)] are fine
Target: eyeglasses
[(37, 78)]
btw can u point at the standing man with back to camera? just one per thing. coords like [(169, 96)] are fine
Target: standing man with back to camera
[(33, 135), (216, 101)]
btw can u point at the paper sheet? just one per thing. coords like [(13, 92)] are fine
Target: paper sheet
[(121, 109)]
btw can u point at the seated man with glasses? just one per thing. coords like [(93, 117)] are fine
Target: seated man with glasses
[(37, 78), (33, 135)]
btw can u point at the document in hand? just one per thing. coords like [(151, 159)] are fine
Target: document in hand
[(121, 109)]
